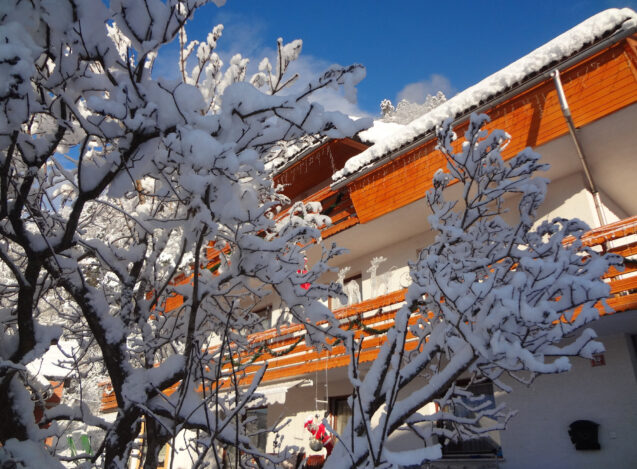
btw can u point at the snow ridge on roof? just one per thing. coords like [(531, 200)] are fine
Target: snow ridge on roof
[(555, 50)]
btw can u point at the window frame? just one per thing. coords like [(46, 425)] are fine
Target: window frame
[(483, 446), (333, 403)]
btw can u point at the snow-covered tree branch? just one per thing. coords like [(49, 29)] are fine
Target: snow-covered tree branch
[(494, 298), (121, 191)]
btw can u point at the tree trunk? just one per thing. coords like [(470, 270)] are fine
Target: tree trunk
[(120, 440)]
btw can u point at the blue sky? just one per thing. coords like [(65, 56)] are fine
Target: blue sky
[(408, 47)]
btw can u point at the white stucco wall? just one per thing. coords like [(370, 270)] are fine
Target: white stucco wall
[(567, 197), (300, 404), (393, 274), (538, 435)]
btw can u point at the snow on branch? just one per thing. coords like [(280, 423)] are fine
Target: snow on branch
[(136, 218)]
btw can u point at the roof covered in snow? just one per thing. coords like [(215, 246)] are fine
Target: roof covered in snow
[(285, 153), (57, 362), (600, 26), (380, 131)]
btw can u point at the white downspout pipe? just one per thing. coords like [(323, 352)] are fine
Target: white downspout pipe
[(601, 217)]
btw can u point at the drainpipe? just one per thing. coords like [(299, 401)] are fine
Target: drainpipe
[(601, 218)]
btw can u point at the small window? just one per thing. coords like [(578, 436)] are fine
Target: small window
[(256, 424), (256, 421), (341, 413), (489, 444)]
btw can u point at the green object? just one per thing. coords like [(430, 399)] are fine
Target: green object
[(86, 444), (72, 445)]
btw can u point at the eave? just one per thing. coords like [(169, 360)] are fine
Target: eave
[(530, 81)]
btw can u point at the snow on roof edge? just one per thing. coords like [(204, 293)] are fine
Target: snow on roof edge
[(294, 151), (558, 49), (56, 362)]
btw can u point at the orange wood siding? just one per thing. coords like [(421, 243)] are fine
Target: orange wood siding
[(631, 51), (378, 313), (317, 167), (595, 88)]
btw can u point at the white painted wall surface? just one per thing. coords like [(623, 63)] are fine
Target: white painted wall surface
[(300, 404), (538, 436)]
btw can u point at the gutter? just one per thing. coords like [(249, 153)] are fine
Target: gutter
[(584, 54)]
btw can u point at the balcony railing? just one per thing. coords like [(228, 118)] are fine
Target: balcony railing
[(377, 314), (619, 238), (370, 318)]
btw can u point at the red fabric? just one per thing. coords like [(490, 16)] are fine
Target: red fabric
[(320, 433), (306, 285)]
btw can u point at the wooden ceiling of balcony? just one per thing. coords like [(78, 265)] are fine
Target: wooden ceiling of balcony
[(314, 171)]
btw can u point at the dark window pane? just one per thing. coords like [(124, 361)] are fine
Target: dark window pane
[(485, 444), (342, 413), (257, 421)]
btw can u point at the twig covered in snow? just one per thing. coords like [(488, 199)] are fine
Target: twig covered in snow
[(122, 194)]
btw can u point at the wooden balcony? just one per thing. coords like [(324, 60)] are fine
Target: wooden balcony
[(287, 356), (374, 315), (619, 238)]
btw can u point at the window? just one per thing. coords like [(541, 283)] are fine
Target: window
[(256, 420), (341, 413), (265, 317), (353, 288), (489, 444)]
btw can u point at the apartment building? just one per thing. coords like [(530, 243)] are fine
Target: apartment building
[(574, 101)]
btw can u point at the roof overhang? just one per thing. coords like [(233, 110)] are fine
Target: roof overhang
[(619, 34), (276, 393), (348, 141)]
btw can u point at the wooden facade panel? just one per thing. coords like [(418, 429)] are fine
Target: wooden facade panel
[(173, 302), (317, 167), (335, 358), (598, 97), (590, 112), (631, 51), (598, 87)]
